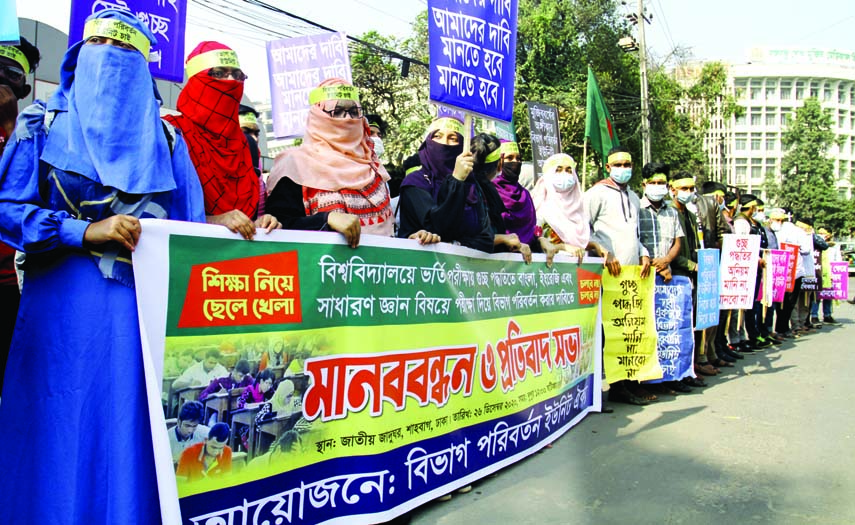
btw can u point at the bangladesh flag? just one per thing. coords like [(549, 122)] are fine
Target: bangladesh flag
[(598, 122)]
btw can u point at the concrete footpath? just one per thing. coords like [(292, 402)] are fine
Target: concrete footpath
[(771, 441)]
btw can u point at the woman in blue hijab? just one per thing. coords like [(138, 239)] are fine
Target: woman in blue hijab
[(75, 445)]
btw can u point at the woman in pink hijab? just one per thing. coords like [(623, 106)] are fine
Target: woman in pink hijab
[(557, 198), (334, 180)]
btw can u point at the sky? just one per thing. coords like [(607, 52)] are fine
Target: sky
[(721, 30)]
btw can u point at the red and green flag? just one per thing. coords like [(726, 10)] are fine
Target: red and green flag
[(598, 122)]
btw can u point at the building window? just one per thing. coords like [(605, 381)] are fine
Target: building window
[(756, 172), (826, 93), (771, 117), (786, 89), (771, 89), (841, 95), (739, 89), (741, 171), (755, 143), (771, 143), (740, 120), (740, 141), (814, 89), (786, 113), (756, 117), (756, 89), (800, 89)]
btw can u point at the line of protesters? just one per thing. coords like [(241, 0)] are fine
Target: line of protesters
[(79, 172)]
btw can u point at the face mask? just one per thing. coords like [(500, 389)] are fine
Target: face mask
[(775, 226), (379, 149), (562, 182), (655, 192), (686, 196), (759, 216), (621, 175), (722, 207), (511, 171)]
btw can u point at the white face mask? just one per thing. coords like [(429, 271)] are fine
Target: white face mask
[(379, 149), (562, 182), (621, 175), (760, 216), (775, 226), (686, 196), (655, 192)]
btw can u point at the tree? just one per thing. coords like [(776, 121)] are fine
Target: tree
[(808, 187)]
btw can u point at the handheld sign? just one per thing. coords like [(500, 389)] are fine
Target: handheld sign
[(545, 135)]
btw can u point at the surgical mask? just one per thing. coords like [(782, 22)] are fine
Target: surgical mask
[(621, 175), (722, 207), (655, 192), (562, 182), (511, 171), (759, 216), (775, 226), (686, 196), (379, 149)]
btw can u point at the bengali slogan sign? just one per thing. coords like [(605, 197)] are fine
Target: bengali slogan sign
[(165, 19), (9, 32), (473, 55), (839, 282), (545, 135), (792, 262), (738, 275), (675, 345), (298, 65), (629, 350), (413, 370), (774, 276), (810, 282), (707, 307)]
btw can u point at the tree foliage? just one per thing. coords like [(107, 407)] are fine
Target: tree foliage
[(808, 187)]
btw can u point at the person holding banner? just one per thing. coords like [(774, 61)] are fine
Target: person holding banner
[(71, 198), (248, 119), (209, 105), (16, 62), (334, 180), (557, 197), (683, 194), (659, 227), (436, 196), (747, 223), (788, 233)]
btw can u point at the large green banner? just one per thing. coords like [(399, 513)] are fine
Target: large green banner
[(399, 372)]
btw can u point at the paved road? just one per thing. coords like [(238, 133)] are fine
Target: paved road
[(770, 442)]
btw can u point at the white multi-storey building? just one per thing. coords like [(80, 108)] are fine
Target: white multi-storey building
[(770, 87)]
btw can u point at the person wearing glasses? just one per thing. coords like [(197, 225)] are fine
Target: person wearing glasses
[(209, 122), (334, 180), (16, 62), (72, 198)]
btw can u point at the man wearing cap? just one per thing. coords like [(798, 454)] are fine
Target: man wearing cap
[(787, 232), (802, 310), (209, 122), (16, 62), (830, 253), (612, 210)]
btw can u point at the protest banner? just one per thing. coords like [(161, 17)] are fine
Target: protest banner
[(544, 132), (9, 31), (839, 289), (675, 342), (707, 300), (505, 131), (166, 19), (775, 276), (629, 350), (298, 65), (738, 275), (792, 264), (473, 55), (416, 370)]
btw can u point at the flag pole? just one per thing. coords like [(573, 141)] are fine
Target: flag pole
[(585, 164)]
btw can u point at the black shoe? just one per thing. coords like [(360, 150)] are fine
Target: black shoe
[(829, 320), (762, 343), (814, 321), (733, 354), (725, 356), (678, 386), (745, 347), (694, 381), (775, 340)]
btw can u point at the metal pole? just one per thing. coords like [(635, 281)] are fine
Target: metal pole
[(585, 165), (642, 63)]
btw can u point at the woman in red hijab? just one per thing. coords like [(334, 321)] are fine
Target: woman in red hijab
[(209, 122)]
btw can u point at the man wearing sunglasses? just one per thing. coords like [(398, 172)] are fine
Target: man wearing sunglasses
[(16, 62)]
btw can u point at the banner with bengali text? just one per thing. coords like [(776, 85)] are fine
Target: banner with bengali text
[(473, 55), (297, 65), (707, 300), (416, 370), (839, 282), (544, 133), (675, 344), (629, 349), (738, 275), (166, 19)]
